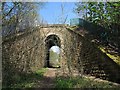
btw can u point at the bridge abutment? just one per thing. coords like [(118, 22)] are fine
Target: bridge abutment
[(27, 52)]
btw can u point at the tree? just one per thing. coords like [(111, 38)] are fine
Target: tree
[(105, 14), (97, 12), (16, 16)]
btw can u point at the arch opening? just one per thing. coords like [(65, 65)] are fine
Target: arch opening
[(52, 44)]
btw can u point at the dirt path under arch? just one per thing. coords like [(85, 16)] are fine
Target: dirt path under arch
[(48, 79)]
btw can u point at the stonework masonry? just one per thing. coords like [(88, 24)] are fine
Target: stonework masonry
[(26, 53)]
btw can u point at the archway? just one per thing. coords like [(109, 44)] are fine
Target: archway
[(51, 40)]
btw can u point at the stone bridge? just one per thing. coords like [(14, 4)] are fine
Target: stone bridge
[(28, 51)]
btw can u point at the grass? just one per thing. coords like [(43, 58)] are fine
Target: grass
[(41, 71), (28, 81), (73, 27), (81, 83), (115, 58), (31, 81)]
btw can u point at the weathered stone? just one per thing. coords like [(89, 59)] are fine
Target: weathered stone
[(27, 53)]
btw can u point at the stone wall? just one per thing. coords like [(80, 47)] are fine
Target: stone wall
[(88, 57), (21, 53), (26, 52)]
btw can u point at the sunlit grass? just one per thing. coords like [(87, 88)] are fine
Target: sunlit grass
[(73, 27), (28, 81), (41, 71), (115, 58), (82, 83)]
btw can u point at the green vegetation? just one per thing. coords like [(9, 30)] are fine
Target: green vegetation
[(41, 71), (29, 81), (105, 14), (54, 59), (17, 16), (32, 81), (115, 58), (100, 13), (73, 27), (82, 83)]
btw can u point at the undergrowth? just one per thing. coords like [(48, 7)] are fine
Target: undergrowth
[(81, 83), (28, 80)]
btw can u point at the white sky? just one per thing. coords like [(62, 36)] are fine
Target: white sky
[(55, 49)]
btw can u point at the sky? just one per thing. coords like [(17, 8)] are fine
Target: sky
[(52, 12), (55, 49)]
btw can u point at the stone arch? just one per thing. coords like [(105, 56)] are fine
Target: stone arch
[(50, 40)]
